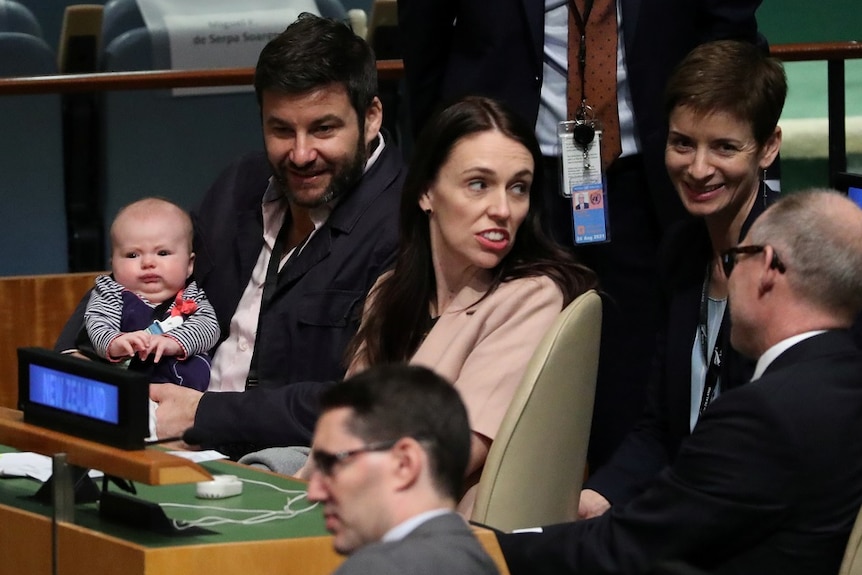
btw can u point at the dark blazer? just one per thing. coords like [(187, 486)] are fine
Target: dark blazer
[(770, 481), (655, 440), (443, 544), (457, 47), (316, 307)]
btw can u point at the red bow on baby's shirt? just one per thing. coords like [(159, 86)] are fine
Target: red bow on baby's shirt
[(183, 307)]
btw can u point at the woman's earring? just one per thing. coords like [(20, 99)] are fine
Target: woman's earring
[(428, 212)]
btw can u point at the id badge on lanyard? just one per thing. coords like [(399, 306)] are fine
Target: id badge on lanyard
[(583, 181)]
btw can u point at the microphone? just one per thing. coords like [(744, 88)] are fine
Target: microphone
[(194, 436)]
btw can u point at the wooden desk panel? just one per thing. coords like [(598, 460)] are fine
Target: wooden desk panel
[(298, 546), (35, 309), (149, 466)]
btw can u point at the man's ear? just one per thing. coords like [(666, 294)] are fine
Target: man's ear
[(373, 120), (409, 461), (768, 272)]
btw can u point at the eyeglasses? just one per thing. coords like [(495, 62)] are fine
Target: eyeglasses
[(325, 461), (728, 258)]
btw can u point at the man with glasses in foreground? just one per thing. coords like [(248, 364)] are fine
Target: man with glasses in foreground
[(390, 450), (770, 480)]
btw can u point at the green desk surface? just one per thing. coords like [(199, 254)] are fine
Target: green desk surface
[(15, 492)]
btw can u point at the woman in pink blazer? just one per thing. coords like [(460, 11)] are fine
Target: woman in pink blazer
[(476, 282)]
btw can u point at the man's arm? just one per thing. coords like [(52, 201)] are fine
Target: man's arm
[(729, 19), (732, 483), (239, 422)]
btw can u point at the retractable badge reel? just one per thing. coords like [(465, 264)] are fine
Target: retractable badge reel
[(582, 177)]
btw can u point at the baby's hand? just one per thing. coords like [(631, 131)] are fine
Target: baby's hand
[(162, 345), (127, 344)]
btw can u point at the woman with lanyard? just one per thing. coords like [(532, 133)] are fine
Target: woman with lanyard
[(723, 104)]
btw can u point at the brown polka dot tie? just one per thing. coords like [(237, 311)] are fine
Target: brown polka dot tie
[(600, 70)]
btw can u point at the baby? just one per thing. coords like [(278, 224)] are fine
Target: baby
[(149, 312)]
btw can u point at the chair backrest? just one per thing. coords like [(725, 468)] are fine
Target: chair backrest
[(80, 38), (852, 562), (25, 55), (383, 30), (15, 17), (120, 16), (536, 463)]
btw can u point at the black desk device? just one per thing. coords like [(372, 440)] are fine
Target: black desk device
[(87, 399)]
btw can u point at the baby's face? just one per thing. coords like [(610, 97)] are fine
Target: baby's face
[(151, 255)]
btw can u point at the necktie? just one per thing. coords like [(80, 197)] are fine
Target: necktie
[(593, 27)]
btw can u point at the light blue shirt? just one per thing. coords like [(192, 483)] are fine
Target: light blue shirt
[(715, 312)]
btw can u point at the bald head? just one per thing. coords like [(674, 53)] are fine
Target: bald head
[(818, 235), (140, 211)]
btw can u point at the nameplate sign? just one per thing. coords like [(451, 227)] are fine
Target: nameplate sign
[(208, 34)]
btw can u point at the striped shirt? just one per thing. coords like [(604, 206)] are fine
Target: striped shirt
[(197, 334)]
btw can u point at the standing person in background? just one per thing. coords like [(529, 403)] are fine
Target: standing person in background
[(519, 52), (723, 104)]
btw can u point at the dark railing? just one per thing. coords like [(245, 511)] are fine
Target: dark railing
[(835, 53), (387, 70)]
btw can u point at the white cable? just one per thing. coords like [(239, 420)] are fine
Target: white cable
[(263, 515)]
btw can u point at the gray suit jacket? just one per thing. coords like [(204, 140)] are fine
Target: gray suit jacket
[(443, 544)]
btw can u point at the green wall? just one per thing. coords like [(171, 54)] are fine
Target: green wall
[(802, 21), (790, 21)]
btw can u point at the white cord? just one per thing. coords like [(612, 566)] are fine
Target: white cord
[(263, 515)]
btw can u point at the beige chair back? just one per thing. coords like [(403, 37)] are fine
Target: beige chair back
[(536, 463), (852, 563)]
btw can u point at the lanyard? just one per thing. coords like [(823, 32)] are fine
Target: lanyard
[(713, 361), (581, 22)]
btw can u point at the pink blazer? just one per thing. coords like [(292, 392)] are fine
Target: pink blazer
[(483, 347)]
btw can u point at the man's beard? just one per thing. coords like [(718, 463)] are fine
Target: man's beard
[(343, 180)]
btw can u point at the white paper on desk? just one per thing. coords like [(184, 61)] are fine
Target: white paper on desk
[(200, 456), (35, 465)]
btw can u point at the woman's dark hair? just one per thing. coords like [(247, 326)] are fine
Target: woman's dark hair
[(399, 316)]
